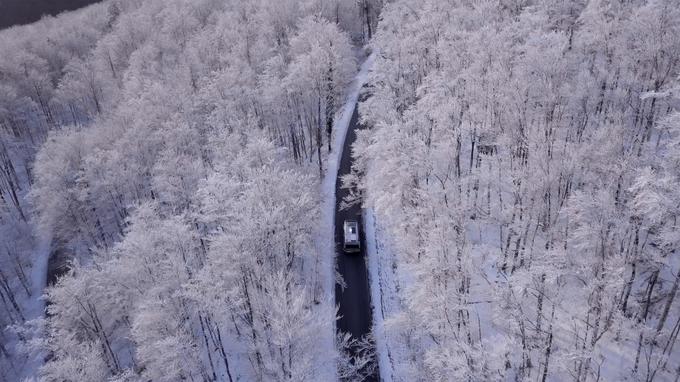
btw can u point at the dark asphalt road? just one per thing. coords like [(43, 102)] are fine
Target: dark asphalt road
[(355, 300)]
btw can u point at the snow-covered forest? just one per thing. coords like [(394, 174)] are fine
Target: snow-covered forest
[(166, 190), (522, 164), (169, 155)]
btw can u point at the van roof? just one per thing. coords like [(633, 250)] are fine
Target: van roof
[(351, 228)]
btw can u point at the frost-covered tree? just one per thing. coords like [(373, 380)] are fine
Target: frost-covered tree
[(322, 58), (165, 150), (531, 123)]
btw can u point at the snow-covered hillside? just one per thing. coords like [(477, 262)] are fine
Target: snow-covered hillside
[(521, 170), (171, 155)]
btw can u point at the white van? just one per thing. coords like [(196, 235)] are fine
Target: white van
[(351, 243)]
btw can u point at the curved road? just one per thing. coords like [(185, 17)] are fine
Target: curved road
[(354, 301)]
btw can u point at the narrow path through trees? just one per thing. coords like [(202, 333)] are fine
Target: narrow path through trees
[(352, 298)]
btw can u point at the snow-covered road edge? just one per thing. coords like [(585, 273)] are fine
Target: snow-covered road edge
[(326, 236), (379, 335)]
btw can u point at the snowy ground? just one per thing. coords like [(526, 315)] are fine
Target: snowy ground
[(614, 354), (384, 291), (33, 250)]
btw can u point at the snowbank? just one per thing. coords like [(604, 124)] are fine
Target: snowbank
[(379, 281)]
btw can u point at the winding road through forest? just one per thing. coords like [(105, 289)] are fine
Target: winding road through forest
[(354, 300)]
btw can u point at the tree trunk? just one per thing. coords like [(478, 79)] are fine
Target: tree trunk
[(250, 319), (667, 307), (4, 284), (330, 103), (224, 354), (207, 349), (367, 14), (318, 136), (548, 348), (539, 304)]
